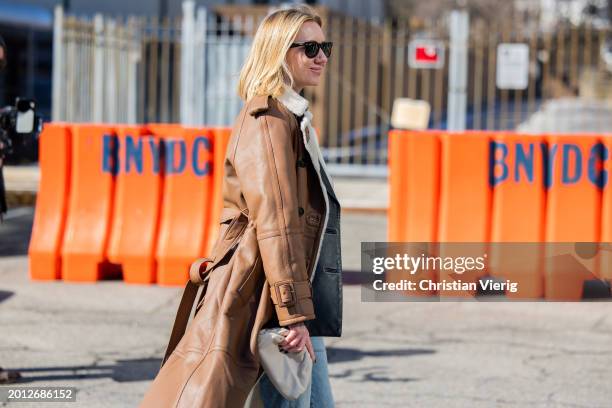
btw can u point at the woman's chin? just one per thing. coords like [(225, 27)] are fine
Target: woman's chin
[(314, 81)]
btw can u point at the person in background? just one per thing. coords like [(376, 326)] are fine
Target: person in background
[(3, 146), (6, 376)]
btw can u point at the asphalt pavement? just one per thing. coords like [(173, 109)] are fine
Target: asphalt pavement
[(107, 339)]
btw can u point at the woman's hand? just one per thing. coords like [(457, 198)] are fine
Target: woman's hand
[(298, 338)]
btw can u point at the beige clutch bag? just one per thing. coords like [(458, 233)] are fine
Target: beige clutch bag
[(290, 373)]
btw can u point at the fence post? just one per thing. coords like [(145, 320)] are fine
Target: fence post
[(187, 63), (133, 52), (58, 89), (98, 69), (200, 65), (458, 69), (110, 70)]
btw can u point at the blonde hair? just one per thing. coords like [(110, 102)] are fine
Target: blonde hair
[(265, 70)]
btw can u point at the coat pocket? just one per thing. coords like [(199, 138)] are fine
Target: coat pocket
[(327, 301), (248, 287), (248, 269)]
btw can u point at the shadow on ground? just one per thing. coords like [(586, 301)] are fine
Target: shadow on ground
[(147, 368), (120, 371), (5, 294), (341, 355), (373, 373), (15, 231)]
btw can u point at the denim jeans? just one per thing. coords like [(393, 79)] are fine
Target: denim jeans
[(318, 394)]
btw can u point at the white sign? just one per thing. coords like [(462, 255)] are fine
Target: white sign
[(410, 114), (512, 66)]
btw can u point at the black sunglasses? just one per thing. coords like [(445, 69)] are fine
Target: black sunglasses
[(311, 48)]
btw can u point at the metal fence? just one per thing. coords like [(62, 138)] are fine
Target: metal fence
[(186, 70), (220, 47), (568, 73), (114, 70)]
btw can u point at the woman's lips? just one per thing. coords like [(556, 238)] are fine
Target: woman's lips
[(316, 70)]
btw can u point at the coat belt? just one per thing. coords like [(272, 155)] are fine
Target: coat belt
[(198, 277)]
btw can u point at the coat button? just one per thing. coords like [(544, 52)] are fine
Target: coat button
[(301, 163), (300, 211)]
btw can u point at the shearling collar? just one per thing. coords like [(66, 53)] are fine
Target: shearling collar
[(298, 105), (293, 101)]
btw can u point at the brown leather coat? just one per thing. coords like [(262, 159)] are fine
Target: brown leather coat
[(260, 269)]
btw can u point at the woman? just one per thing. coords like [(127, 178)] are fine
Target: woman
[(276, 261), (305, 61)]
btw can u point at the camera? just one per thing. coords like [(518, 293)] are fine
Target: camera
[(19, 130)]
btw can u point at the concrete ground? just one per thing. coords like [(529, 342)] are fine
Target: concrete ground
[(107, 339)]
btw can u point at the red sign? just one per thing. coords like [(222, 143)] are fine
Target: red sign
[(426, 54)]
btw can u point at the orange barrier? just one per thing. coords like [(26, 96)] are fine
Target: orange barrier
[(414, 171), (51, 202), (136, 206), (90, 204), (414, 162), (573, 211), (398, 174), (186, 200), (116, 197), (508, 188), (139, 200), (517, 176), (516, 173), (465, 194), (465, 197), (603, 174)]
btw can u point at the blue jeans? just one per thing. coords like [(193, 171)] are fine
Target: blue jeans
[(318, 394)]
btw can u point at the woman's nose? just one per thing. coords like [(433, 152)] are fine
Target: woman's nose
[(321, 58)]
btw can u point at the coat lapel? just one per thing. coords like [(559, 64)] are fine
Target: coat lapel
[(330, 188), (299, 106)]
